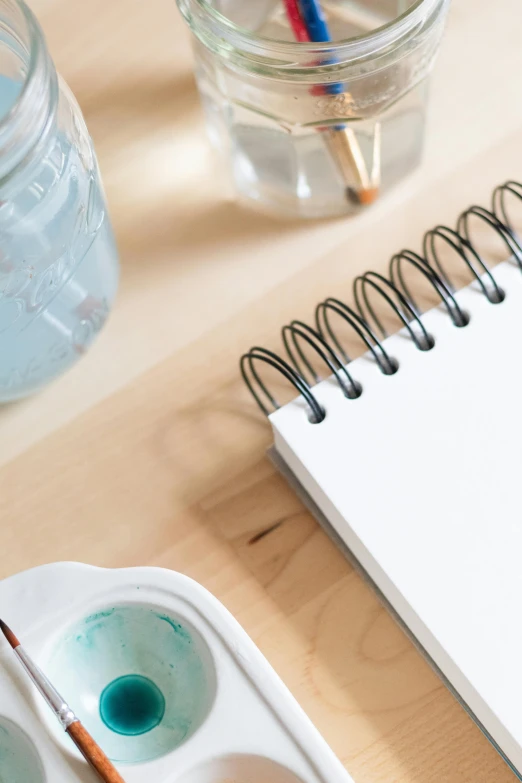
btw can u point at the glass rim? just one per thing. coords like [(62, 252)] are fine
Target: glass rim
[(34, 43), (374, 40), (28, 121)]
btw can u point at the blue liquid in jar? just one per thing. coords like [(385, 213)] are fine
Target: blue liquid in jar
[(132, 705), (58, 261)]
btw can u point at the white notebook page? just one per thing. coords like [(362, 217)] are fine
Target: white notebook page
[(422, 478)]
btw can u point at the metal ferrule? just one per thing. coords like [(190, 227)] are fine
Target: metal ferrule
[(60, 707)]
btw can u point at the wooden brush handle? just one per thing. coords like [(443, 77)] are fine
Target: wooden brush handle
[(93, 753)]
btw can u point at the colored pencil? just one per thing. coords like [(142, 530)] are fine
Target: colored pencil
[(309, 24), (315, 20), (296, 21)]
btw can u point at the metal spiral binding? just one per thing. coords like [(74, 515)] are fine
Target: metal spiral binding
[(441, 286), (252, 380), (323, 340), (386, 364), (296, 329), (402, 308)]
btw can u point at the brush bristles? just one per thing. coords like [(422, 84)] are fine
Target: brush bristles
[(9, 635)]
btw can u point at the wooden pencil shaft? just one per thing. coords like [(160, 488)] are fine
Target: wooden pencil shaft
[(345, 148), (376, 168), (342, 142)]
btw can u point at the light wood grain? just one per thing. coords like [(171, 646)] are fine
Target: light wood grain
[(150, 452)]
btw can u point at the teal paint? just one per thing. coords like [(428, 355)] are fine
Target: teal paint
[(135, 652), (99, 615), (132, 705), (177, 627)]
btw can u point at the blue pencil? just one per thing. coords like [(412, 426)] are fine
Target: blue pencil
[(342, 139), (315, 20)]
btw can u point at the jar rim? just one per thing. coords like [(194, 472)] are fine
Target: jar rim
[(34, 43), (27, 122), (248, 41)]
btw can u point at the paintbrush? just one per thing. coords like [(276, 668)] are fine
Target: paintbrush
[(308, 23), (89, 749)]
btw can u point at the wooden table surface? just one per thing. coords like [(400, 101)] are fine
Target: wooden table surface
[(151, 452)]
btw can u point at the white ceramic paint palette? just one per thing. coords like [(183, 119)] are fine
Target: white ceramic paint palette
[(159, 672)]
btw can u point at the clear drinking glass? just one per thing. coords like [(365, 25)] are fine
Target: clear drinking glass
[(316, 129), (58, 260)]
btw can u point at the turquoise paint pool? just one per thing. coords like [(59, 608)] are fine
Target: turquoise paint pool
[(132, 705), (141, 680)]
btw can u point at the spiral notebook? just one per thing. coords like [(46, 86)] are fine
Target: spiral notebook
[(418, 471)]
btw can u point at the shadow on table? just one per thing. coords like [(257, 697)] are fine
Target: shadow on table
[(168, 193), (143, 99), (177, 234), (375, 685)]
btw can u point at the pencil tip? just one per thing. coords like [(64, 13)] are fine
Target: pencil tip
[(368, 196), (363, 197), (9, 635)]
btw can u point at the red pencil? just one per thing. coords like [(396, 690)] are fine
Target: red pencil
[(296, 21), (342, 142)]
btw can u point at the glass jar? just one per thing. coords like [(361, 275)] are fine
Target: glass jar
[(58, 260), (316, 129)]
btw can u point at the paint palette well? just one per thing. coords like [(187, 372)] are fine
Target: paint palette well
[(19, 759), (160, 674), (143, 680), (244, 768)]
